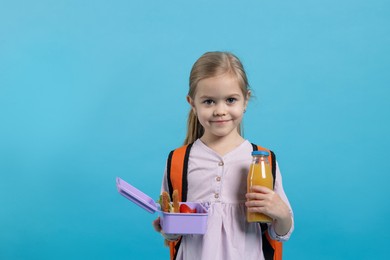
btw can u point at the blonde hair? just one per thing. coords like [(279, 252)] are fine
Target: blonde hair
[(209, 65)]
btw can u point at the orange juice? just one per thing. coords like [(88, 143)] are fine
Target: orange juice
[(259, 175)]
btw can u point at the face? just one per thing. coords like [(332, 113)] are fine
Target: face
[(219, 105)]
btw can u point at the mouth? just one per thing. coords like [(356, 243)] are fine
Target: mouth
[(220, 121)]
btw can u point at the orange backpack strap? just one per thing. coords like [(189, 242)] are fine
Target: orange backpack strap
[(177, 166), (272, 249), (277, 246)]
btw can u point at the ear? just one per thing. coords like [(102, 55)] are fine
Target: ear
[(248, 96), (191, 102)]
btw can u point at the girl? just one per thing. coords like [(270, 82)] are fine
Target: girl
[(218, 165)]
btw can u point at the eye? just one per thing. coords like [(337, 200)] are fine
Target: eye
[(208, 102), (231, 100)]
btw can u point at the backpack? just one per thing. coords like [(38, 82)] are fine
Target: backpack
[(177, 166)]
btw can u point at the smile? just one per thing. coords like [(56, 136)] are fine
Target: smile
[(220, 121)]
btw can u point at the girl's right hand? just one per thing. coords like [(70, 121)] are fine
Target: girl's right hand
[(157, 227), (156, 224)]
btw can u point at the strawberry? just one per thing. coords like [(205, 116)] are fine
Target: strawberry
[(186, 209)]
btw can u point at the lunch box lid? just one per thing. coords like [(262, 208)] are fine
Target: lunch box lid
[(136, 196)]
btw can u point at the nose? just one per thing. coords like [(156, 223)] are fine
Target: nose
[(220, 110)]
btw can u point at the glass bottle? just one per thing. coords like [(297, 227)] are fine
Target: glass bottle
[(259, 175)]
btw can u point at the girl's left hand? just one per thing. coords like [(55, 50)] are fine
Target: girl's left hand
[(266, 201)]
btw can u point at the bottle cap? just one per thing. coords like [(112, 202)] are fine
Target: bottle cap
[(264, 153)]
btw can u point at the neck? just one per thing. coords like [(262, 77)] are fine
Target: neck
[(222, 145)]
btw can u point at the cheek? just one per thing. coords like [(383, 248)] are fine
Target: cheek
[(203, 115), (238, 112)]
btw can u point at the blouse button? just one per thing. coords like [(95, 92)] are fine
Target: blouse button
[(216, 195), (218, 178), (220, 163)]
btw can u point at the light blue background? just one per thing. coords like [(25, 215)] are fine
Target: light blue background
[(91, 90)]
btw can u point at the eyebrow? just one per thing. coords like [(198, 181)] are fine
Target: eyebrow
[(210, 97)]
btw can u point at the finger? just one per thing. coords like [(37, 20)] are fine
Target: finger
[(156, 224), (256, 196), (260, 189), (256, 209), (256, 203)]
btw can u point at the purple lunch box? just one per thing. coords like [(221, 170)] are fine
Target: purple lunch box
[(171, 223)]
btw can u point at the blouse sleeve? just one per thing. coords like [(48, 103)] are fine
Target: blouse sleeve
[(164, 183), (280, 191)]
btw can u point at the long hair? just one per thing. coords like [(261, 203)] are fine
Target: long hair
[(212, 64)]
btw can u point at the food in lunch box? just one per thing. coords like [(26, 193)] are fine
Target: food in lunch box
[(165, 202), (175, 201), (174, 206), (185, 209)]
